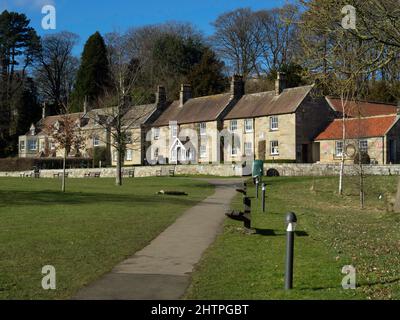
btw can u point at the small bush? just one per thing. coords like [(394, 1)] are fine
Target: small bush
[(365, 158), (101, 154), (26, 164)]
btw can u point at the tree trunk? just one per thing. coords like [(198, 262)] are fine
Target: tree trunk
[(341, 176), (396, 206), (362, 196), (63, 174), (118, 173)]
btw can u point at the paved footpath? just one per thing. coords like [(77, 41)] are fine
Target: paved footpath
[(161, 271)]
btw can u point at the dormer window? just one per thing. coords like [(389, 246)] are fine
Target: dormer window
[(173, 125), (156, 133), (203, 129), (32, 130)]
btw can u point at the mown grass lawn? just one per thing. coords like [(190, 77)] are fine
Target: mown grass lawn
[(82, 233), (333, 232)]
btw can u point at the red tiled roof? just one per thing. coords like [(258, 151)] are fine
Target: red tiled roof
[(362, 108), (358, 128)]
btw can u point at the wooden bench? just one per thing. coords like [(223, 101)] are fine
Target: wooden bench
[(129, 173), (59, 174), (172, 172), (92, 175), (35, 174)]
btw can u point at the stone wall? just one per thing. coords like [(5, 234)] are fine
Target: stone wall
[(226, 170), (294, 169), (148, 171)]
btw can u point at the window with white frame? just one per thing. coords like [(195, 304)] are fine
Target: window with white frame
[(233, 125), (248, 148), (189, 155), (234, 150), (274, 123), (156, 133), (129, 138), (248, 125), (22, 146), (339, 148), (203, 151), (115, 155), (96, 141), (129, 155), (32, 145), (203, 129), (274, 145), (156, 153), (52, 145), (174, 129), (363, 146)]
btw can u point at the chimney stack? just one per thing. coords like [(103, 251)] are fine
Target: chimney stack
[(186, 94), (44, 111), (85, 105), (237, 86), (280, 83), (161, 97)]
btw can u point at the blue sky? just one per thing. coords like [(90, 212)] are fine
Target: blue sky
[(84, 17)]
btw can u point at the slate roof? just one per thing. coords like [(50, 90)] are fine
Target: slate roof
[(358, 128), (202, 109), (267, 103), (51, 120), (363, 108)]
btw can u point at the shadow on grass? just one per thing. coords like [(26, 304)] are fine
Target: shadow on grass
[(266, 232), (45, 197), (273, 233)]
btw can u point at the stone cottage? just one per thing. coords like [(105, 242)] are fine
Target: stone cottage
[(376, 136)]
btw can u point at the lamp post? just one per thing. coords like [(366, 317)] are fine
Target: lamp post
[(291, 221), (264, 187), (257, 186)]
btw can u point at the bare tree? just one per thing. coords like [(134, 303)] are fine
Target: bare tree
[(67, 136), (277, 36), (342, 62), (117, 116), (55, 73), (236, 39)]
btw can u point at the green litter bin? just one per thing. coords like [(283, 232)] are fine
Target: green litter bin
[(258, 168)]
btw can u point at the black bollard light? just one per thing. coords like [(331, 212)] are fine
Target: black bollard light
[(264, 188), (257, 186), (291, 221), (247, 213)]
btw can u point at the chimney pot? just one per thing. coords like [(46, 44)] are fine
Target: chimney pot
[(44, 111), (186, 93), (280, 83), (85, 105)]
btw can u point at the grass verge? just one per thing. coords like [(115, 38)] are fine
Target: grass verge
[(82, 233), (332, 232)]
